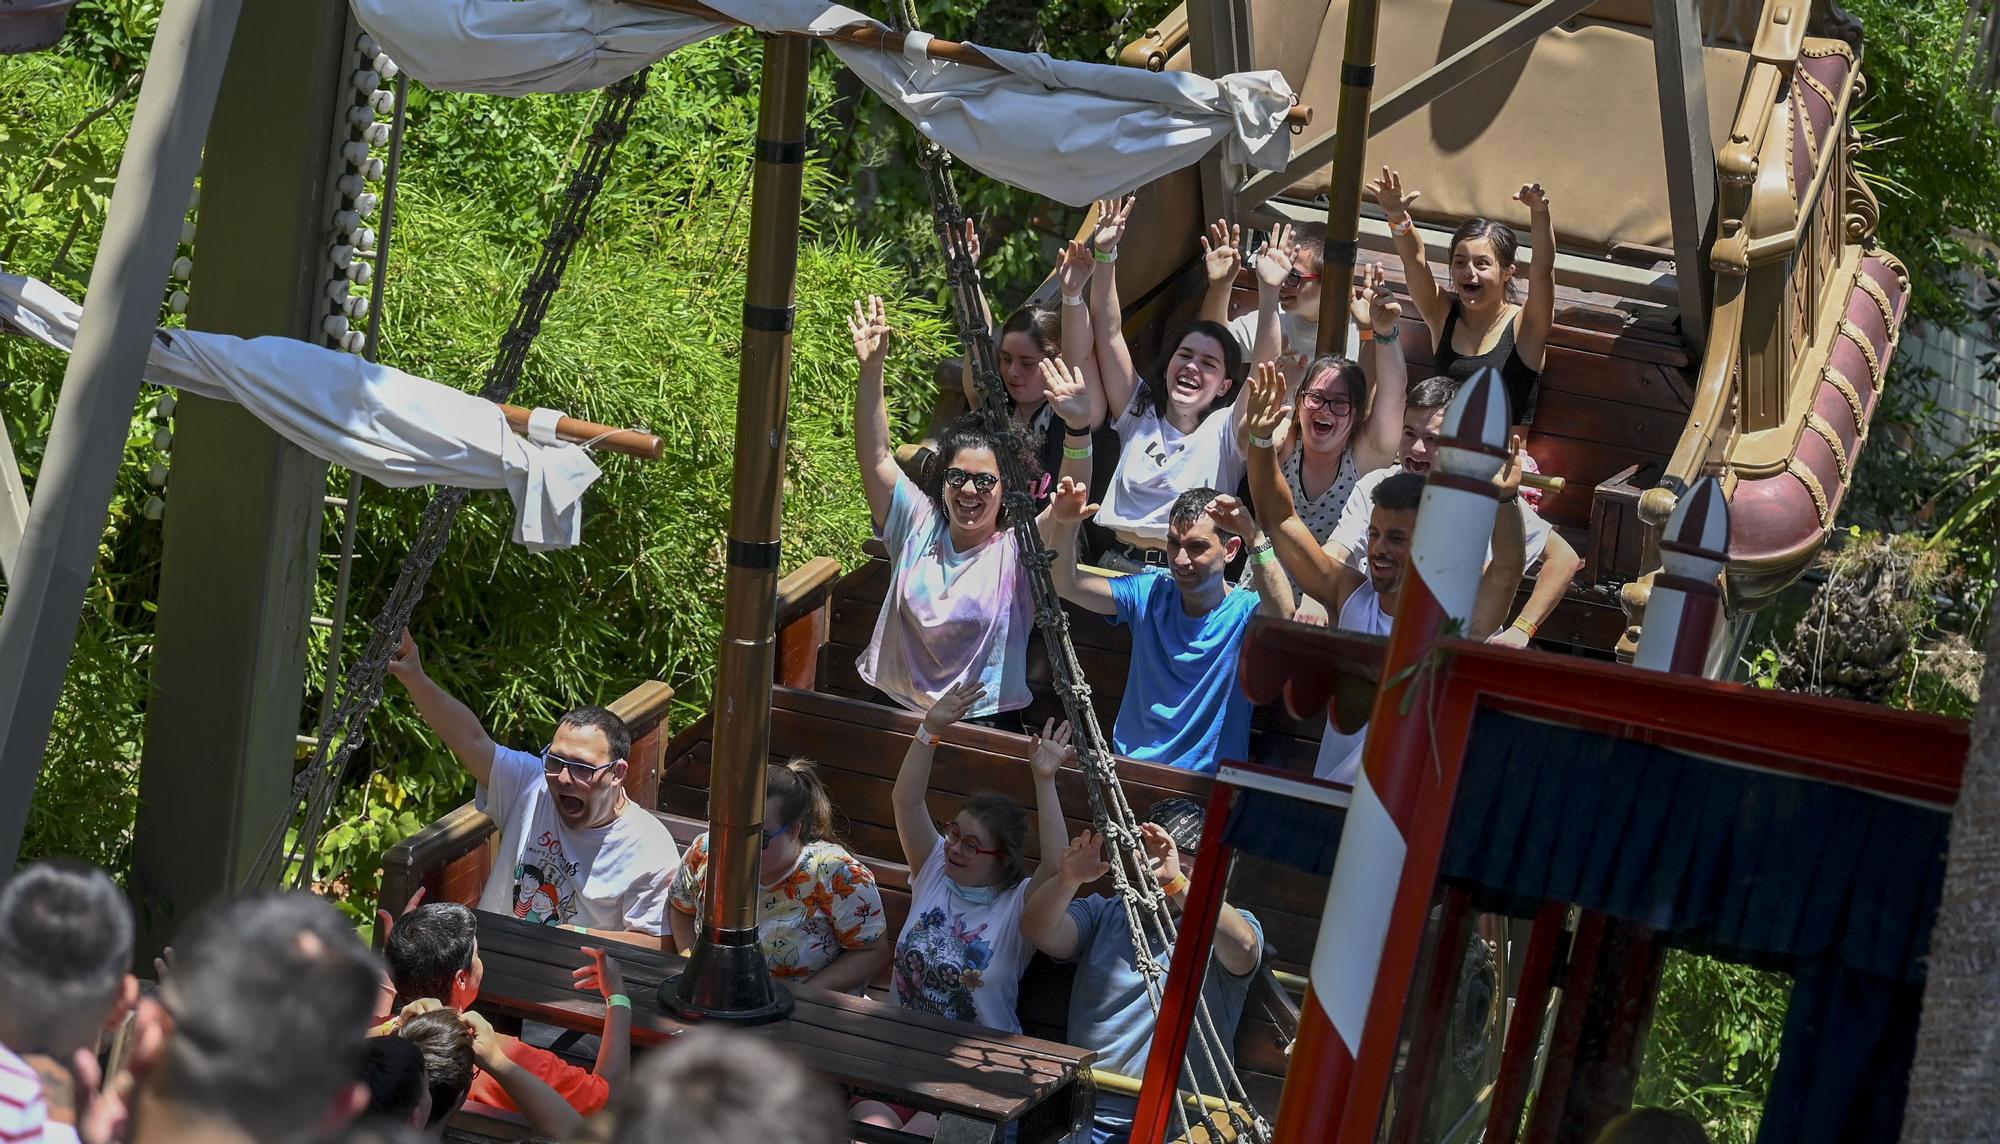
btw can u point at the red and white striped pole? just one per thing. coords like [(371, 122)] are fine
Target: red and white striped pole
[(1377, 901), (1684, 610)]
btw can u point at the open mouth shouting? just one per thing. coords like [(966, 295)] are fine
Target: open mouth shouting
[(572, 806)]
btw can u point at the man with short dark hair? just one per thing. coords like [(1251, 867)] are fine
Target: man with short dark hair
[(574, 850), (1109, 1009), (433, 955), (259, 1028), (1182, 706), (65, 952)]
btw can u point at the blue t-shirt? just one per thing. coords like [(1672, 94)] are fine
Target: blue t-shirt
[(1108, 1009), (1182, 706)]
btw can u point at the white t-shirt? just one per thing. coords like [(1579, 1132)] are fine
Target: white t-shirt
[(1298, 342), (1340, 753), (949, 617), (958, 957), (1349, 541), (611, 877), (1160, 463)]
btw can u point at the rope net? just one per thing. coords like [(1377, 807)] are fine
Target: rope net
[(343, 727), (1146, 909)]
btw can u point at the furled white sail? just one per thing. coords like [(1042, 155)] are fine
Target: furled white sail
[(385, 424), (1069, 131)]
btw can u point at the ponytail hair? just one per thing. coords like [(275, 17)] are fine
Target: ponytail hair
[(801, 798)]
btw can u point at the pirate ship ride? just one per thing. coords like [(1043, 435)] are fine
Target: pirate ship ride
[(1723, 332)]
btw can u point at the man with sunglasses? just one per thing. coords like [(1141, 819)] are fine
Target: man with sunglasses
[(1285, 325), (574, 850)]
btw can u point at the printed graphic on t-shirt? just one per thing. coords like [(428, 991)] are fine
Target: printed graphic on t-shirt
[(941, 964), (544, 882)]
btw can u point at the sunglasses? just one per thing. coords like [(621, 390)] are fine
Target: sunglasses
[(1338, 404), (1294, 279), (770, 836), (980, 482), (554, 764), (953, 836)]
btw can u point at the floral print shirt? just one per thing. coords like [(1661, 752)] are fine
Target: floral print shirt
[(827, 905)]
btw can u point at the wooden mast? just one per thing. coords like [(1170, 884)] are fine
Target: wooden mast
[(1350, 151), (726, 976)]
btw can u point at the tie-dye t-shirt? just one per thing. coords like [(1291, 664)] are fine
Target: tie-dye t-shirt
[(958, 956), (949, 616), (826, 906)]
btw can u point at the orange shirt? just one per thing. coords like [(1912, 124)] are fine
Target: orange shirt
[(584, 1090)]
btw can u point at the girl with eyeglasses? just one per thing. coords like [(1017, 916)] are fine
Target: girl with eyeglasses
[(961, 952), (958, 609), (819, 913)]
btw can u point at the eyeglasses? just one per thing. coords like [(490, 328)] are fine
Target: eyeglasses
[(1338, 404), (953, 836), (770, 836), (1294, 279), (980, 482), (554, 764)]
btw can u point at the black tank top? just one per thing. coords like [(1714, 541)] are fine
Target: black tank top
[(1522, 382)]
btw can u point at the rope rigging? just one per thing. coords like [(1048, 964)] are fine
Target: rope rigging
[(1146, 908), (343, 727)]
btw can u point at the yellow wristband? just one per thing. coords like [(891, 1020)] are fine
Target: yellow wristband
[(1527, 626), (1076, 454), (619, 1001), (1263, 554), (1176, 886)]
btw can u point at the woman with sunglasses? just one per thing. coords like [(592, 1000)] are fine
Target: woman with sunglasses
[(819, 913), (1288, 289), (961, 952), (958, 608)]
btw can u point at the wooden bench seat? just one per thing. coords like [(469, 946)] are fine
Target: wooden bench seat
[(976, 1080)]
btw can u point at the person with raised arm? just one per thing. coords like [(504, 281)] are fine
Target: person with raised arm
[(1478, 323), (1182, 706), (1108, 1006), (574, 850), (958, 608), (1292, 285), (961, 952), (1178, 429)]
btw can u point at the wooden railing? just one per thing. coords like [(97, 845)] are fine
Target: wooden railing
[(1781, 243)]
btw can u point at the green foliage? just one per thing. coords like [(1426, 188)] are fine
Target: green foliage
[(1714, 1043), (645, 332)]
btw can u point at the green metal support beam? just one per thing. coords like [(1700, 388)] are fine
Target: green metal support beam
[(58, 549), (244, 506)]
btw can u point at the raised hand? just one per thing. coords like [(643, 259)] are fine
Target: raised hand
[(601, 975), (869, 326), (1161, 853), (1070, 503), (384, 924), (1067, 393), (1374, 303), (1051, 750), (1112, 216), (1508, 479), (488, 1047), (951, 707), (1232, 515), (1073, 268), (1222, 251), (1394, 197), (407, 663), (1265, 411), (1274, 261), (972, 241), (1083, 859), (1534, 198)]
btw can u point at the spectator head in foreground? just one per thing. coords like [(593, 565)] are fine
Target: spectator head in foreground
[(434, 952), (1653, 1126), (259, 1031), (65, 953), (441, 1037), (716, 1086), (393, 1070)]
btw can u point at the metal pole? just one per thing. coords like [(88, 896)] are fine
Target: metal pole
[(1159, 1091), (1379, 898), (100, 387), (1350, 154), (726, 975), (1690, 155)]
